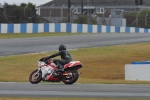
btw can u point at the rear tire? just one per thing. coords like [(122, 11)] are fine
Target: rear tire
[(35, 77), (72, 79)]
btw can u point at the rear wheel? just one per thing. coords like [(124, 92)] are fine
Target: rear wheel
[(72, 78), (35, 77)]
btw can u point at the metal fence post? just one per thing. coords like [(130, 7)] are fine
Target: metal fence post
[(146, 19), (137, 19), (50, 12), (62, 12)]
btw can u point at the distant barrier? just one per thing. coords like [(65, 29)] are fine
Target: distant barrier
[(67, 27)]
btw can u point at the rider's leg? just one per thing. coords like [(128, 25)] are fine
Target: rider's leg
[(60, 64)]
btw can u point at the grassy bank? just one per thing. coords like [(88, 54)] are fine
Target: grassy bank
[(100, 65), (21, 35)]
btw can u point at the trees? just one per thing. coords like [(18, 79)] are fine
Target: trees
[(84, 20), (24, 13), (138, 19)]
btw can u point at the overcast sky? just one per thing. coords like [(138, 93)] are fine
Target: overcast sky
[(36, 2)]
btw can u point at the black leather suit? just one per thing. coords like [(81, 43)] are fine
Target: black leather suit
[(65, 57)]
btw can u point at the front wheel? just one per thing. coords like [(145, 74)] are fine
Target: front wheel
[(72, 79), (35, 77)]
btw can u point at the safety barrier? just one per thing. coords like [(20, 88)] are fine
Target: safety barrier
[(67, 27), (138, 71)]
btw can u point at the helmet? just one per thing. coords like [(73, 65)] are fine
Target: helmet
[(62, 47)]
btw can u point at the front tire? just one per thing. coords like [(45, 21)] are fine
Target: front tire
[(35, 77), (72, 79)]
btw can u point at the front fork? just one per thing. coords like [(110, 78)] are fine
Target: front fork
[(38, 70), (36, 74)]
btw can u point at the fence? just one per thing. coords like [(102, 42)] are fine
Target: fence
[(67, 27)]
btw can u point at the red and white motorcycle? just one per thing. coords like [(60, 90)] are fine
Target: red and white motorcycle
[(46, 71)]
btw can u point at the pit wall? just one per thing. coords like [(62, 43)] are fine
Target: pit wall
[(66, 27)]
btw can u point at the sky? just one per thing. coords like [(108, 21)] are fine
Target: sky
[(36, 2)]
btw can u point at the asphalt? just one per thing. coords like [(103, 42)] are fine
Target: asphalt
[(44, 44), (76, 90)]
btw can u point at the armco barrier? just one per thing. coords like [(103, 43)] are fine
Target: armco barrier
[(66, 27)]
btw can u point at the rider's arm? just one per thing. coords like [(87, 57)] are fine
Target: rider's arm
[(54, 55)]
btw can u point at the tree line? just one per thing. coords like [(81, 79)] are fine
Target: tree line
[(138, 19), (23, 13)]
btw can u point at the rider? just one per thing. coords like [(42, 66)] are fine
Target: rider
[(65, 57)]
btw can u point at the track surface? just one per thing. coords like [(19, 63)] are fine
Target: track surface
[(75, 90), (42, 44)]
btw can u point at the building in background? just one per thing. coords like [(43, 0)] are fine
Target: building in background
[(101, 10), (104, 12)]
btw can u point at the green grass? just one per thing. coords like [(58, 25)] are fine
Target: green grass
[(20, 35), (100, 65)]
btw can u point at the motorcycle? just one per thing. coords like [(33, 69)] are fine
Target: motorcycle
[(47, 71)]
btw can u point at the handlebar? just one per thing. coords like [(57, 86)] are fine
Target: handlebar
[(44, 59)]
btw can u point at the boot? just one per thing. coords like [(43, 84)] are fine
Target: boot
[(60, 68)]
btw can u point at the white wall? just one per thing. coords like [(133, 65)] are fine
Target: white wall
[(137, 72)]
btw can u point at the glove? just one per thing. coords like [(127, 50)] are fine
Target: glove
[(45, 58)]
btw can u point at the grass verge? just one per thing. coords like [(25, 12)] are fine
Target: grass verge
[(100, 65), (27, 35)]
